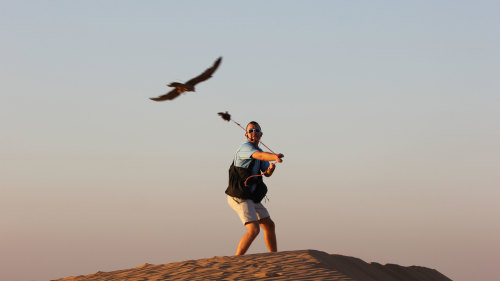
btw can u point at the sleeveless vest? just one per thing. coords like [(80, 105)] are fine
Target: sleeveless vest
[(237, 188)]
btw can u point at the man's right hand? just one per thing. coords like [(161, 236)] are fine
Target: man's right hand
[(278, 157)]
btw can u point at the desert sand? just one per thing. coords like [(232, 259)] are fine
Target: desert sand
[(287, 265)]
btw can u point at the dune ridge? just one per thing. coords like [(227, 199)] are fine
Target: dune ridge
[(286, 265)]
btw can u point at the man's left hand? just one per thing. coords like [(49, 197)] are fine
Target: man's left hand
[(270, 169)]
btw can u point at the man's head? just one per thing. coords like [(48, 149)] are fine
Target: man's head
[(253, 132)]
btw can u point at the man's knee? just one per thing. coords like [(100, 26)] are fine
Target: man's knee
[(268, 224), (253, 228)]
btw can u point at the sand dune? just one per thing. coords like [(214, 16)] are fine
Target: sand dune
[(288, 265)]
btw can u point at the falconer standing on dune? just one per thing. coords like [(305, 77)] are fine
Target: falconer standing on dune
[(247, 189)]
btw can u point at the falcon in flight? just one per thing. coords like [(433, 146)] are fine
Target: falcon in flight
[(180, 88)]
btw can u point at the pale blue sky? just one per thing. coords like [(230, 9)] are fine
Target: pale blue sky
[(387, 113)]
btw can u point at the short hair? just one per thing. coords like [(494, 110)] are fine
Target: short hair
[(253, 123)]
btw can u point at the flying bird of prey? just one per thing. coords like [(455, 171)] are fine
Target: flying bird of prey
[(225, 115), (180, 88)]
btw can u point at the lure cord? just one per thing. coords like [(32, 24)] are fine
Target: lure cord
[(260, 175), (259, 140)]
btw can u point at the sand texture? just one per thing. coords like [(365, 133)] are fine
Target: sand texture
[(288, 265)]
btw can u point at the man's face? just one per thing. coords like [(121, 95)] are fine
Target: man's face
[(253, 133)]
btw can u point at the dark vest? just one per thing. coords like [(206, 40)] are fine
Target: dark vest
[(237, 188)]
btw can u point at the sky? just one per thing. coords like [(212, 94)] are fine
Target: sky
[(387, 113)]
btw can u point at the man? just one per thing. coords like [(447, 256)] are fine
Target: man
[(245, 194)]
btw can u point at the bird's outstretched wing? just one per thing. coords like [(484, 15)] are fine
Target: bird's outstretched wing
[(206, 74), (168, 96)]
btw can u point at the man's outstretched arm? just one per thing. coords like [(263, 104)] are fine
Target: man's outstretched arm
[(266, 156)]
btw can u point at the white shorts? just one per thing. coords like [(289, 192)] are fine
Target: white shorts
[(247, 210)]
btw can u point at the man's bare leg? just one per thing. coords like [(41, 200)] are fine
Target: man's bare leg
[(247, 239), (269, 234)]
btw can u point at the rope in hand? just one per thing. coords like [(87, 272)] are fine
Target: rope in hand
[(259, 175)]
